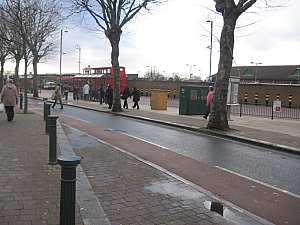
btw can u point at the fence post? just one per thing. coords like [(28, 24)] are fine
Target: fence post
[(241, 105), (68, 188), (21, 100), (290, 101), (272, 110), (45, 102), (52, 139), (47, 112)]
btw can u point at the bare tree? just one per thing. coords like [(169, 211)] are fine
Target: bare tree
[(230, 10), (111, 17)]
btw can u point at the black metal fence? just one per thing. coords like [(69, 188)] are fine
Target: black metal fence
[(259, 107), (265, 108)]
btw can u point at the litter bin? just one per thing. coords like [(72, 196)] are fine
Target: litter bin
[(193, 100), (159, 99)]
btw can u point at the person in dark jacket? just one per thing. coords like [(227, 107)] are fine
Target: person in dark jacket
[(102, 94), (9, 97), (109, 96), (125, 95), (75, 92), (136, 98)]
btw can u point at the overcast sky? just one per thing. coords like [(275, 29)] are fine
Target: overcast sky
[(177, 34)]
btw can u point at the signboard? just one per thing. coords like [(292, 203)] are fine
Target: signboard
[(233, 90), (276, 106)]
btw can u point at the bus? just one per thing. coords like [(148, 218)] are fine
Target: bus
[(95, 77)]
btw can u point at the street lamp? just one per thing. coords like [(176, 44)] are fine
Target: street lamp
[(79, 52), (151, 70), (255, 70), (61, 53), (211, 32), (190, 70)]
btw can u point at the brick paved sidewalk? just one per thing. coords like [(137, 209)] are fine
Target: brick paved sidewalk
[(29, 187)]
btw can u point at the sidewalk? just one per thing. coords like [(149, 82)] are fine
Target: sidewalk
[(30, 188)]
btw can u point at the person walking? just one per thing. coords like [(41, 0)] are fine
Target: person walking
[(66, 91), (136, 98), (109, 96), (58, 96), (9, 97), (208, 101), (86, 91), (125, 95), (75, 92), (102, 94)]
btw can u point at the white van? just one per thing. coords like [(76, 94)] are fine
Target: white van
[(49, 86)]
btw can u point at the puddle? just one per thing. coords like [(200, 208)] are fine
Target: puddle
[(225, 212), (171, 189)]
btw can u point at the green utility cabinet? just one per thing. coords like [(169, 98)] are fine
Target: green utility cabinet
[(193, 100)]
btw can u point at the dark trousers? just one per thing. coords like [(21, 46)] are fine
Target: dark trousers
[(125, 105), (75, 95), (207, 111), (136, 104), (60, 101), (9, 110), (102, 100)]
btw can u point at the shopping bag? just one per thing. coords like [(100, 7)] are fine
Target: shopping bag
[(1, 108), (53, 97)]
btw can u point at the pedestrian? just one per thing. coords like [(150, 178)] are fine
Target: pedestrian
[(102, 94), (136, 98), (86, 91), (9, 97), (66, 88), (208, 101), (75, 92), (58, 96), (125, 95), (109, 96)]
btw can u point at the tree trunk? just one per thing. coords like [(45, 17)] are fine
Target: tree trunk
[(114, 36), (2, 75), (218, 114), (25, 88), (35, 86), (17, 66)]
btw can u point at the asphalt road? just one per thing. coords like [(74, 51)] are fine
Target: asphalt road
[(277, 169)]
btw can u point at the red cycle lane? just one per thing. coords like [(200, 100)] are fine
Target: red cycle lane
[(268, 203)]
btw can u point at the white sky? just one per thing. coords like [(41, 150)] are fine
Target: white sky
[(174, 35)]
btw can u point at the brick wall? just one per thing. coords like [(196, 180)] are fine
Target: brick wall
[(262, 89)]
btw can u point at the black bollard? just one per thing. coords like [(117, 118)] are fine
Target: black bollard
[(45, 102), (68, 189), (47, 112), (21, 100), (52, 139)]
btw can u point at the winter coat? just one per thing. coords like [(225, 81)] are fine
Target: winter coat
[(57, 92), (86, 89), (136, 95), (9, 95), (109, 93), (126, 92)]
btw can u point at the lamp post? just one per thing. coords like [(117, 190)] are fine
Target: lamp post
[(61, 53), (255, 70), (210, 54), (190, 70), (79, 52), (151, 70)]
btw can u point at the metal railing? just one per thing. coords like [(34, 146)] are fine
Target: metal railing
[(263, 108), (266, 109)]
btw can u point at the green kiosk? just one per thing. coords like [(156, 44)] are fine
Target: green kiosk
[(193, 100)]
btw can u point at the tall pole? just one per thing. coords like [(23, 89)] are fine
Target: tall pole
[(190, 70), (211, 32), (60, 55), (79, 52), (255, 76)]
